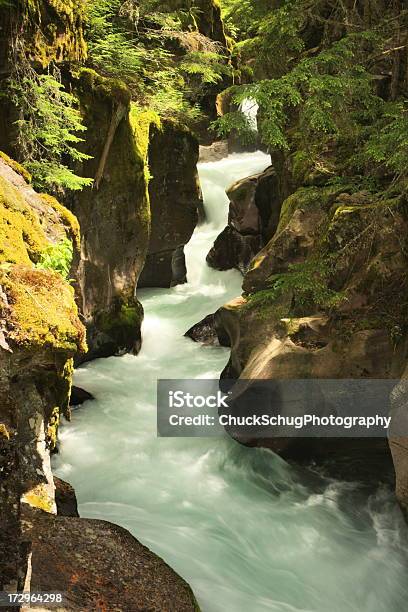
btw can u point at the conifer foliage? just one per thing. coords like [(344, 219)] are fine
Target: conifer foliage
[(327, 76)]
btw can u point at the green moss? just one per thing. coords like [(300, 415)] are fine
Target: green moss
[(53, 30), (43, 313), (22, 238), (127, 317), (301, 166), (68, 219), (105, 88), (65, 387), (39, 497), (306, 198), (16, 167), (52, 428), (141, 122), (4, 432)]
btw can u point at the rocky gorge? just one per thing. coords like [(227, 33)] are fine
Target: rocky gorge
[(316, 237)]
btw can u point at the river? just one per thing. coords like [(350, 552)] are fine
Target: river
[(246, 530)]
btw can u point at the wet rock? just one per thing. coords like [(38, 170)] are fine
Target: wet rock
[(175, 201), (208, 331), (253, 218), (214, 152), (233, 250), (65, 498), (79, 396), (98, 565), (204, 331), (113, 215)]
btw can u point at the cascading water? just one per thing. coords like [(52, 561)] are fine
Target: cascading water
[(249, 107), (243, 528)]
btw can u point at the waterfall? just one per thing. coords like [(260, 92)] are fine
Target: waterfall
[(249, 107)]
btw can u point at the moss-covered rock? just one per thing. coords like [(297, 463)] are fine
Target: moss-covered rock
[(39, 334), (39, 307), (16, 167), (326, 298), (298, 232), (54, 30), (114, 215), (21, 237), (42, 313)]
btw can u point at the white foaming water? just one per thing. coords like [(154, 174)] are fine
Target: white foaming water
[(249, 107), (248, 532)]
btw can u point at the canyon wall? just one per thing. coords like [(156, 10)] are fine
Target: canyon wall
[(325, 298), (40, 332), (175, 203)]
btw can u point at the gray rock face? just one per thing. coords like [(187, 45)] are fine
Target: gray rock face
[(252, 220), (175, 201), (98, 565), (231, 249), (65, 498), (114, 221)]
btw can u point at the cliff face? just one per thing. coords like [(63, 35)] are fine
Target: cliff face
[(317, 299), (54, 30), (50, 30), (175, 201), (114, 215), (39, 334)]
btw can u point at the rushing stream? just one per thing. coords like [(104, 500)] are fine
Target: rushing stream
[(248, 532)]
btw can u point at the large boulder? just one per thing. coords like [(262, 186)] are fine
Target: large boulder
[(232, 249), (98, 565), (175, 201), (252, 220)]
